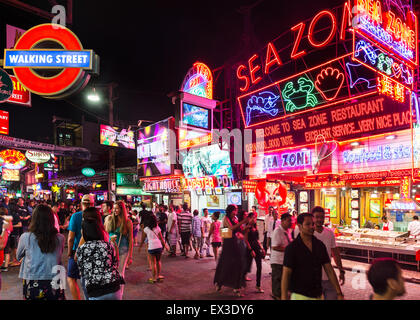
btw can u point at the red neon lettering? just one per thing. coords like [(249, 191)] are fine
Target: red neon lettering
[(346, 15), (271, 50), (301, 27), (253, 69), (312, 26), (243, 77)]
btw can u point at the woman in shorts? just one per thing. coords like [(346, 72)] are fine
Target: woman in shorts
[(155, 247), (214, 234)]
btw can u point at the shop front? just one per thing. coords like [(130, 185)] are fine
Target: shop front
[(166, 190), (214, 193)]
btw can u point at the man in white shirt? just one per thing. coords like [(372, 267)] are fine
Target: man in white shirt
[(272, 225), (280, 239), (205, 224), (328, 239), (414, 227), (267, 219)]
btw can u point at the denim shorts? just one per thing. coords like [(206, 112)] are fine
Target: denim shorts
[(73, 270), (155, 251)]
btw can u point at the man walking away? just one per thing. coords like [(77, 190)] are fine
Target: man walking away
[(75, 234), (206, 223), (303, 261), (386, 279), (267, 220), (185, 227), (197, 231), (162, 218), (328, 239), (279, 241)]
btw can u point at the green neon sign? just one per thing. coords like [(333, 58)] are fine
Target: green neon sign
[(301, 98), (88, 172)]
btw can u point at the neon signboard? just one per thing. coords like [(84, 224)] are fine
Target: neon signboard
[(206, 161), (10, 175), (190, 138), (378, 114), (153, 149), (12, 159), (396, 33), (20, 94), (74, 62), (372, 56), (88, 172), (199, 81), (4, 122), (116, 137), (299, 94), (196, 116), (382, 153), (287, 160), (37, 157)]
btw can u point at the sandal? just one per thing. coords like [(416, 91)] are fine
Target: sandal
[(238, 293), (161, 277), (151, 280)]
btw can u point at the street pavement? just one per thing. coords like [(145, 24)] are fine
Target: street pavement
[(190, 279)]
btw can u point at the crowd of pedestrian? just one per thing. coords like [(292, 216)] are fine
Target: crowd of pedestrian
[(100, 245)]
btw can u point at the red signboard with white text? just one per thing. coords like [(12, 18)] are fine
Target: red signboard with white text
[(4, 122), (20, 94)]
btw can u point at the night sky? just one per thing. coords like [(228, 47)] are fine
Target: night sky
[(148, 47)]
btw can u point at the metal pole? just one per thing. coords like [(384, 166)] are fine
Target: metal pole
[(111, 170)]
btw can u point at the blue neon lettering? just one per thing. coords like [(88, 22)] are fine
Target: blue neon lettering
[(380, 154)]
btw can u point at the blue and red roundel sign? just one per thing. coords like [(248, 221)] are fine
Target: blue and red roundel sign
[(69, 66)]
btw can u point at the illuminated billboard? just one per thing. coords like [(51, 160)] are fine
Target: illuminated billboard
[(206, 161), (116, 137), (10, 175), (153, 149), (196, 116)]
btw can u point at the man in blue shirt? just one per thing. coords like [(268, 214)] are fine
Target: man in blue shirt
[(75, 234)]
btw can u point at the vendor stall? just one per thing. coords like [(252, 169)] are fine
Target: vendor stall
[(371, 243)]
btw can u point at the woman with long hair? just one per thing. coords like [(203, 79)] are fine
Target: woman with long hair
[(97, 260), (40, 250), (156, 244), (120, 229), (231, 265), (255, 250), (214, 234)]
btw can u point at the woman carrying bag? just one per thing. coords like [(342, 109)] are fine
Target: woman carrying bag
[(231, 265)]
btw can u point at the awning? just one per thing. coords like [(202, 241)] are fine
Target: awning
[(21, 144)]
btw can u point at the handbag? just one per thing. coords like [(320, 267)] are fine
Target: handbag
[(226, 233)]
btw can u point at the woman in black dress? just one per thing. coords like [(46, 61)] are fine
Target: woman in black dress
[(255, 250), (231, 265)]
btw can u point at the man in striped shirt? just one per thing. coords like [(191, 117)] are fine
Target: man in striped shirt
[(185, 224)]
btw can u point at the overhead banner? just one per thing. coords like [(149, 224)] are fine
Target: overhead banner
[(10, 142), (116, 137)]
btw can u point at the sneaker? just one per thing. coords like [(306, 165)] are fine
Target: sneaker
[(3, 269)]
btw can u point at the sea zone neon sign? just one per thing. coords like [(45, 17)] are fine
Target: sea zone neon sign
[(73, 62), (251, 73)]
